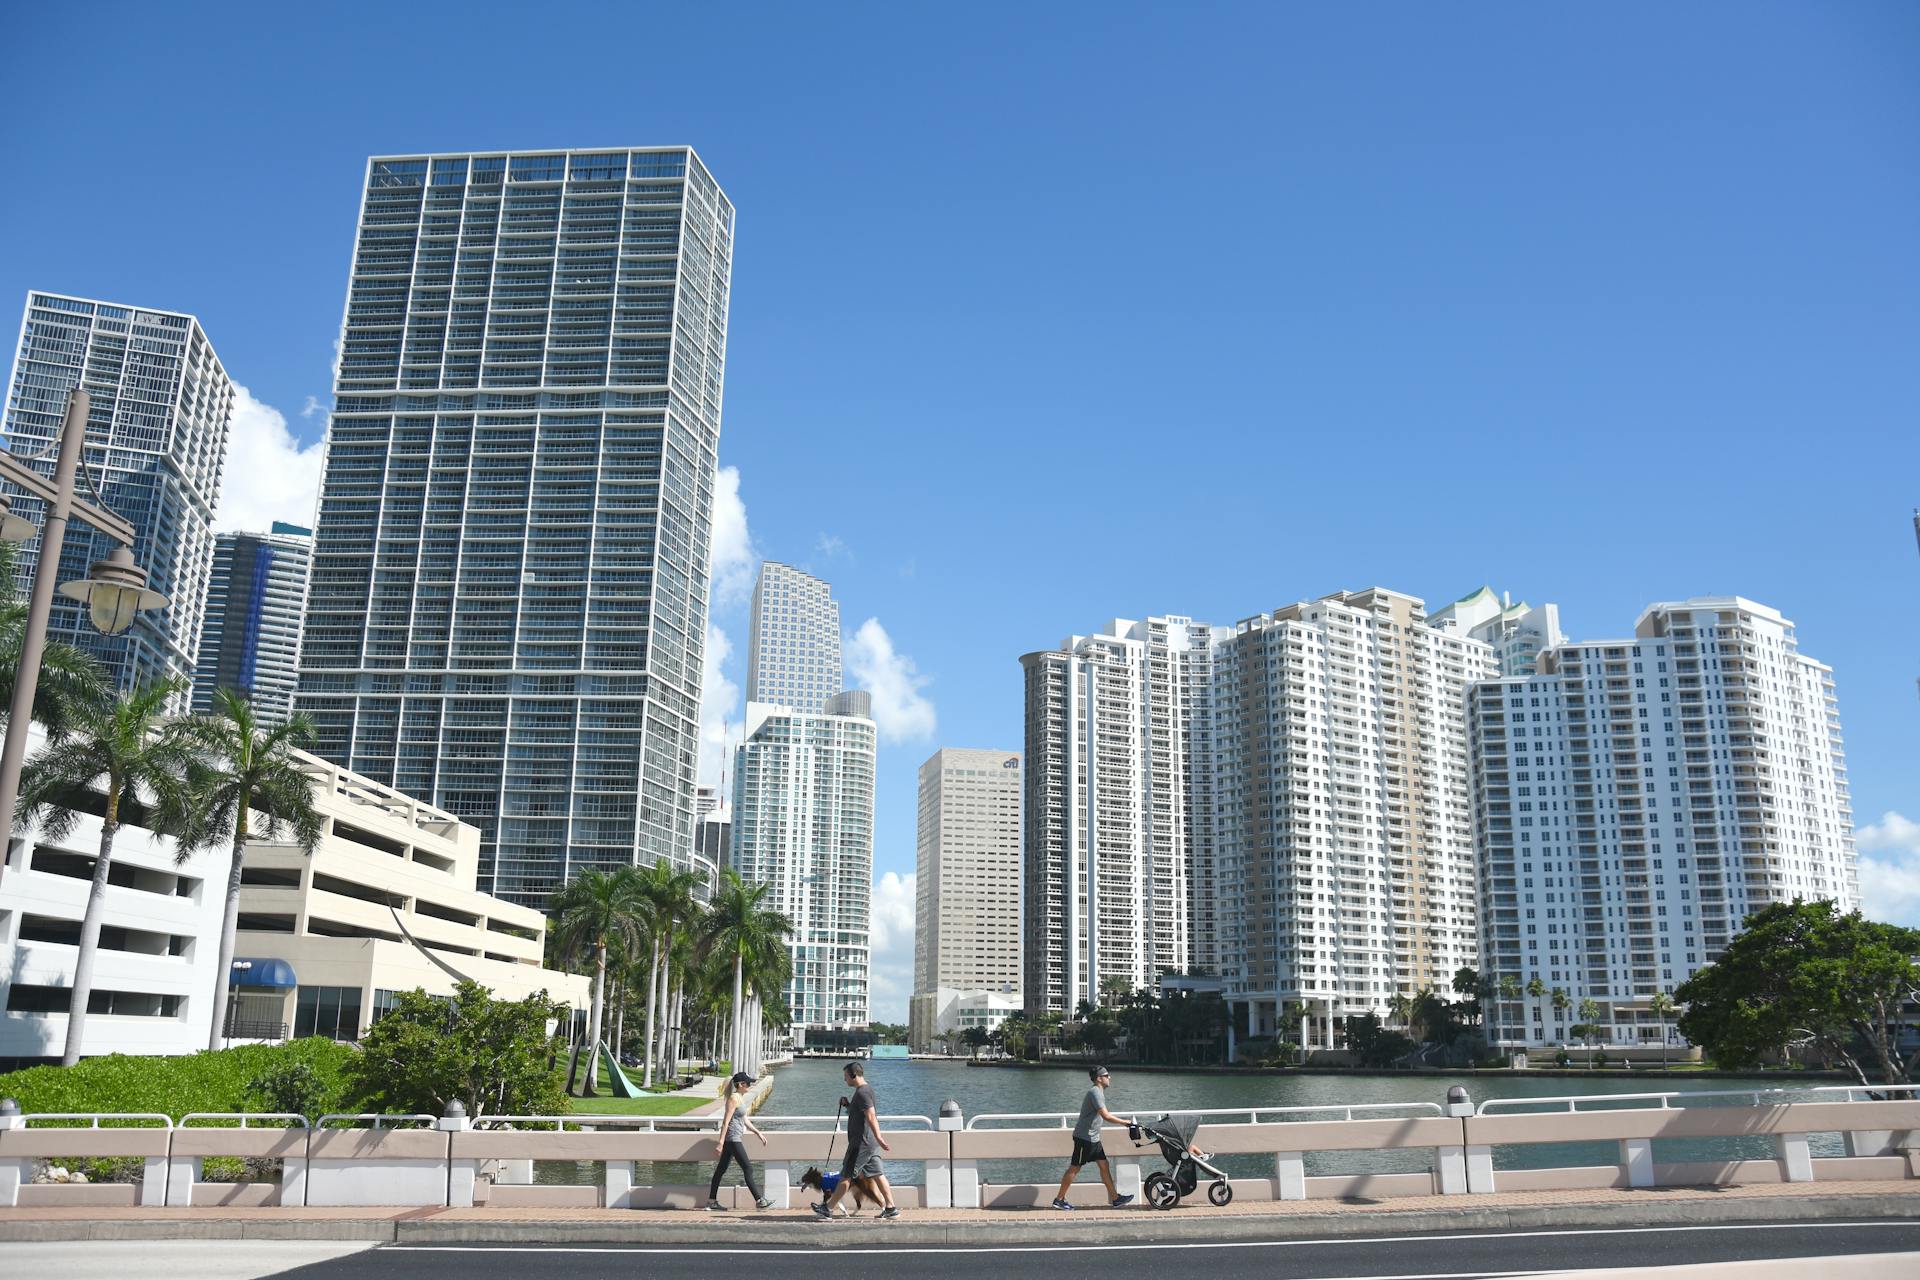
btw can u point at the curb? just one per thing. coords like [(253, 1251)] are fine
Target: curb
[(1199, 1226)]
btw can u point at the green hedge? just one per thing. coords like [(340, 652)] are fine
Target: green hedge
[(205, 1081)]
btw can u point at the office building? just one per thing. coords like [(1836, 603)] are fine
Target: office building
[(1112, 850), (967, 881), (933, 1014), (803, 824), (251, 641), (1638, 798), (793, 653), (156, 444), (1517, 633), (1346, 827), (508, 606)]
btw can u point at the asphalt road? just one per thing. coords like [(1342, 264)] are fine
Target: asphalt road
[(1453, 1256)]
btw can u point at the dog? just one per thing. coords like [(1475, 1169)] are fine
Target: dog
[(863, 1190)]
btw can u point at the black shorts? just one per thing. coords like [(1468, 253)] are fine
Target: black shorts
[(1087, 1152)]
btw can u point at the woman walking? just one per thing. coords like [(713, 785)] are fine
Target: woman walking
[(732, 1147)]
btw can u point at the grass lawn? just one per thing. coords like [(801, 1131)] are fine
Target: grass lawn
[(610, 1106)]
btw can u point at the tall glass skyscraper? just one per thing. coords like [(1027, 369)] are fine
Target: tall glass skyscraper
[(509, 597), (793, 656), (156, 443), (251, 641)]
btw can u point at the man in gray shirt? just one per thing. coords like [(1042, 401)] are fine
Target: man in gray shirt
[(1086, 1141)]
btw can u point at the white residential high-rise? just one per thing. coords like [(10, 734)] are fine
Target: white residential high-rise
[(251, 642), (1345, 835), (1111, 852), (803, 823), (967, 882), (1639, 798), (156, 446), (793, 653), (1518, 633), (508, 611)]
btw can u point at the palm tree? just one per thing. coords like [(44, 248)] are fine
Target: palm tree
[(591, 912), (70, 680), (1590, 1015), (753, 939), (1661, 1006), (1400, 1008), (1114, 989), (1535, 987), (1562, 1002), (129, 754), (249, 769), (670, 905)]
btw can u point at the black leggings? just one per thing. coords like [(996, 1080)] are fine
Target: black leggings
[(735, 1150)]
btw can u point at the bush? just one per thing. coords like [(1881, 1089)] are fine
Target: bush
[(490, 1055), (219, 1080)]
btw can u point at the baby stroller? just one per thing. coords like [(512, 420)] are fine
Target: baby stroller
[(1173, 1135)]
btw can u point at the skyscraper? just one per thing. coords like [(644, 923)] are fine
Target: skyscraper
[(1112, 850), (509, 597), (803, 824), (793, 655), (251, 641), (1345, 831), (1639, 798), (967, 882), (156, 444), (1517, 632)]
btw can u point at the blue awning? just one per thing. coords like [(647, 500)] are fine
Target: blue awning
[(269, 972)]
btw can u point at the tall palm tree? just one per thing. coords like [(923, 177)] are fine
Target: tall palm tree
[(1661, 1006), (670, 905), (1562, 1002), (752, 937), (592, 912), (70, 680), (129, 757), (1590, 1015), (249, 771)]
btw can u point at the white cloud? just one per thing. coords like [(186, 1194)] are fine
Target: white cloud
[(311, 407), (890, 981), (830, 546), (719, 700), (899, 708), (269, 474), (734, 561), (1890, 869)]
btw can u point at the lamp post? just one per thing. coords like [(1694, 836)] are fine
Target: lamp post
[(113, 592)]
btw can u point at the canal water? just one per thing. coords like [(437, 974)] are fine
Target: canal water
[(813, 1087)]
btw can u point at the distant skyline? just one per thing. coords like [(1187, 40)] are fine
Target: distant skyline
[(1095, 311)]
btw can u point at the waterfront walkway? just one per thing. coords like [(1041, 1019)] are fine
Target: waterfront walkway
[(1599, 1209)]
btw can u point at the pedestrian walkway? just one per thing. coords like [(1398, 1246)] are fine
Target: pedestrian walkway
[(1243, 1219)]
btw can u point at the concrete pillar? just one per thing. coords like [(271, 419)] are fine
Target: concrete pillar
[(966, 1184), (14, 1171), (293, 1180), (937, 1191), (616, 1184), (181, 1176), (1796, 1160), (777, 1182), (1870, 1142), (1127, 1178), (1451, 1164), (1289, 1176), (515, 1173), (153, 1181), (1479, 1169), (1636, 1154)]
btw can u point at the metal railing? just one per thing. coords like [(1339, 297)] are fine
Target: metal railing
[(299, 1121), (1253, 1115), (836, 1121), (378, 1119), (589, 1121), (1664, 1101), (95, 1117)]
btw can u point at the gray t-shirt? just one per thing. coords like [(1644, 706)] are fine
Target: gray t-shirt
[(1088, 1128), (737, 1126)]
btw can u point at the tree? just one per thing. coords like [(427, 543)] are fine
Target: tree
[(248, 769), (1114, 989), (1590, 1017), (1468, 985), (1661, 1006), (1372, 1045), (668, 894), (122, 756), (1536, 989), (1562, 1003), (753, 939), (594, 910), (1802, 972), (1098, 1035), (975, 1038), (489, 1055), (71, 682), (1400, 1009)]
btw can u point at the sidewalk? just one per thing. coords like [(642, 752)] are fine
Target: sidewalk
[(1242, 1220)]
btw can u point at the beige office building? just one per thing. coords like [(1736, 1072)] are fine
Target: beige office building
[(967, 890), (385, 904)]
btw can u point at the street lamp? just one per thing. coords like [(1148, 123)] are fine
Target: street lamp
[(113, 592)]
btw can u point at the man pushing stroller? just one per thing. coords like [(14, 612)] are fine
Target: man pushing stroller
[(1086, 1141)]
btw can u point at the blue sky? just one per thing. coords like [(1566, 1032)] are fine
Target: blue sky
[(1048, 315)]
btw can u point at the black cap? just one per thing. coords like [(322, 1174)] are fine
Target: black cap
[(741, 1077)]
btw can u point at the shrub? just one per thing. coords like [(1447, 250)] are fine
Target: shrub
[(490, 1055), (219, 1080)]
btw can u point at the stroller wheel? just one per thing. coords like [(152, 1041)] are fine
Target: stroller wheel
[(1161, 1192), (1220, 1194)]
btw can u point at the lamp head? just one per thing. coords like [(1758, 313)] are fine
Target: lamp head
[(114, 592), (14, 528)]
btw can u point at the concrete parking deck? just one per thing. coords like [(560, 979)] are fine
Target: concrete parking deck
[(960, 1228)]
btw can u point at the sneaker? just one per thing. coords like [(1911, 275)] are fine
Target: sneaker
[(891, 1211), (1119, 1201), (1058, 1203), (714, 1206), (763, 1203), (821, 1210)]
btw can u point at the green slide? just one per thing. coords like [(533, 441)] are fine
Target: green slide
[(614, 1078)]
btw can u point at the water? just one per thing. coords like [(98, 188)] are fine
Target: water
[(813, 1087)]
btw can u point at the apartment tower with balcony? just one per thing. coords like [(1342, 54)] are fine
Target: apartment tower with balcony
[(508, 606), (1638, 798), (255, 601)]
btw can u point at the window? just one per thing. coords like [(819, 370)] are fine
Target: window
[(328, 1011)]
